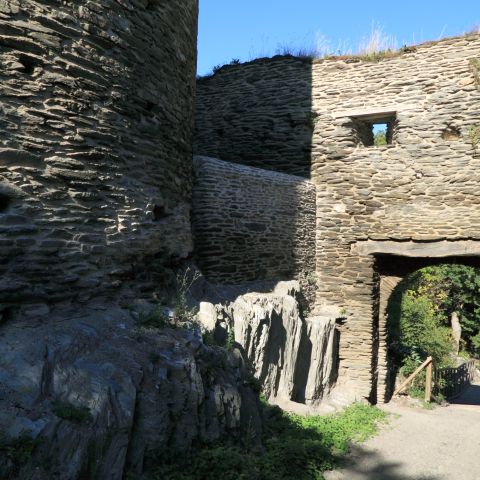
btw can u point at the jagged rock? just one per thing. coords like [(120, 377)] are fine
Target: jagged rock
[(102, 394), (294, 359)]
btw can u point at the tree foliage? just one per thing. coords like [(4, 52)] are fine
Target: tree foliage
[(380, 138), (420, 315)]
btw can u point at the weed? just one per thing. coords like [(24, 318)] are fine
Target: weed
[(312, 278), (377, 44), (208, 337), (17, 451), (230, 342), (474, 137), (66, 411), (155, 318), (183, 315)]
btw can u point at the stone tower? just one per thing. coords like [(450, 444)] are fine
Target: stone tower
[(96, 117)]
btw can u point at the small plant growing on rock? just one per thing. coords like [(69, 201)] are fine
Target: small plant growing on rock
[(184, 315), (312, 278), (474, 137), (155, 318), (16, 452), (66, 411), (230, 343), (208, 337)]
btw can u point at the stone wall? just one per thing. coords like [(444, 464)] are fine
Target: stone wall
[(421, 188), (257, 114), (96, 104), (252, 224)]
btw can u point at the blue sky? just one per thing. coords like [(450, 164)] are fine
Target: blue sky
[(246, 29)]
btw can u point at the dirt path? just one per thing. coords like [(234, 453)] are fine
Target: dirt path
[(419, 444)]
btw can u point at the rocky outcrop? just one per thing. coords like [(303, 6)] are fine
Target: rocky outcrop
[(102, 395), (294, 358)]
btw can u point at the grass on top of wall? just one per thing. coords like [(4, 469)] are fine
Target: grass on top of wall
[(292, 447)]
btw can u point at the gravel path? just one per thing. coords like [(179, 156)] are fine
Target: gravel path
[(419, 444)]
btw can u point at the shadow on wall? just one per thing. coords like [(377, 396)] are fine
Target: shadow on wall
[(258, 114), (100, 148), (252, 224)]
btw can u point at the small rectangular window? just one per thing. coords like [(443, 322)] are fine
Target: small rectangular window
[(374, 131)]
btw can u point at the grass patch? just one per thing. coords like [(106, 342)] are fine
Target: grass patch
[(294, 447)]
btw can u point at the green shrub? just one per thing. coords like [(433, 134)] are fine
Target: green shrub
[(423, 332), (72, 413), (155, 318), (230, 342)]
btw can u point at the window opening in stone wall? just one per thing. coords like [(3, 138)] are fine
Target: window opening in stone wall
[(374, 132)]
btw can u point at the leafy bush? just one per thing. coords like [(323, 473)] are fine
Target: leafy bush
[(423, 334), (419, 315), (295, 447)]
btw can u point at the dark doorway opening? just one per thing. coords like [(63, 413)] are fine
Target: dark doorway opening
[(391, 270)]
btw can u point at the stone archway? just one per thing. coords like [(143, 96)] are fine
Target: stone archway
[(393, 262)]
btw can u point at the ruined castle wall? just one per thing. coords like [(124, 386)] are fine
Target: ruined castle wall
[(252, 224), (257, 114), (96, 104), (423, 187)]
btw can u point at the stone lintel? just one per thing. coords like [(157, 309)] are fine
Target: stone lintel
[(444, 248), (374, 112)]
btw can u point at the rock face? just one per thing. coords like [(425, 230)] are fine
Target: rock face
[(102, 395), (95, 156), (419, 189), (293, 358)]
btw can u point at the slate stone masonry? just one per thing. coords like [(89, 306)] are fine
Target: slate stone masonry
[(96, 114), (252, 224), (423, 187)]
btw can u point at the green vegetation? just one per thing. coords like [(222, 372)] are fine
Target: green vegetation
[(475, 64), (292, 447), (184, 316), (17, 451), (380, 138), (155, 318), (230, 342), (474, 137), (420, 313), (80, 415)]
